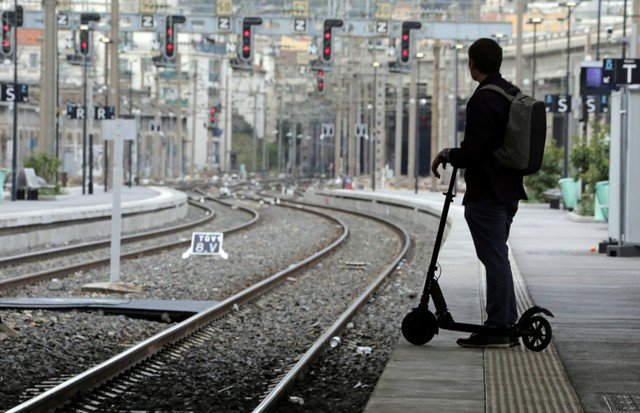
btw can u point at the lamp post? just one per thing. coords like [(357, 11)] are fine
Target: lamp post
[(535, 21), (374, 135), (14, 149), (84, 120), (569, 5), (416, 167), (106, 41), (130, 144), (454, 140)]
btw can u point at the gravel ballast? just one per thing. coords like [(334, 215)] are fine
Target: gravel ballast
[(252, 256), (256, 343)]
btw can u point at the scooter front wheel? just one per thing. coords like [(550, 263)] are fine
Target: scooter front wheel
[(536, 333), (419, 326)]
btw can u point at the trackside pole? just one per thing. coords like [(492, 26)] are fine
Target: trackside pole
[(119, 130), (116, 217)]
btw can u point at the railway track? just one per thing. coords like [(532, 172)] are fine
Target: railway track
[(66, 270), (179, 339)]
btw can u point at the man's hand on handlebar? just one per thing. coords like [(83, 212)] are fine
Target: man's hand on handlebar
[(441, 158)]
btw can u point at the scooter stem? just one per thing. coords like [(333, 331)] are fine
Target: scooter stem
[(436, 248)]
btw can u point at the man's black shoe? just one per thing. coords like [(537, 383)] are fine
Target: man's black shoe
[(479, 340)]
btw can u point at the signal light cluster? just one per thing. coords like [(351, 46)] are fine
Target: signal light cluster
[(320, 81), (6, 36), (214, 112), (170, 48), (84, 41), (327, 52), (246, 51), (9, 19), (405, 40)]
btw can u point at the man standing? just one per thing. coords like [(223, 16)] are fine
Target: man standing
[(493, 191)]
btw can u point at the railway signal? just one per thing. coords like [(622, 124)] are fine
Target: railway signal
[(85, 36), (7, 42), (405, 40), (327, 37), (170, 43), (214, 112), (320, 81), (246, 50), (9, 20), (84, 39)]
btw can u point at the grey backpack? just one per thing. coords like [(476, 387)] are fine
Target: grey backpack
[(524, 141)]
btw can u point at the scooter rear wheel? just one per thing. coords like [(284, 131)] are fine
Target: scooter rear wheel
[(419, 326), (538, 333)]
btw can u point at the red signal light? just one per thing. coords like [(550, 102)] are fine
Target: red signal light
[(169, 31)]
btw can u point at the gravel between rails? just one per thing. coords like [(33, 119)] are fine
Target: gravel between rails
[(9, 271), (254, 345), (342, 380), (282, 237), (50, 344), (65, 343)]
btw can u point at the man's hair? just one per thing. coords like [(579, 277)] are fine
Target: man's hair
[(487, 55)]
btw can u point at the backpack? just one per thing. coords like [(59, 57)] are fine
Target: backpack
[(526, 134)]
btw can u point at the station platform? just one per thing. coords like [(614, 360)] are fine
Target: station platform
[(593, 362), (38, 222), (75, 206)]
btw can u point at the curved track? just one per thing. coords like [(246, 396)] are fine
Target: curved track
[(188, 333), (70, 269)]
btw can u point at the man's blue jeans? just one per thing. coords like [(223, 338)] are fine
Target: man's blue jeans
[(489, 222)]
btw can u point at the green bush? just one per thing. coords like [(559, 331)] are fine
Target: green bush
[(591, 162), (547, 177), (45, 166)]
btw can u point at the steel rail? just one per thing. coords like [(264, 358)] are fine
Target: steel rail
[(19, 258), (61, 394), (278, 391), (67, 270)]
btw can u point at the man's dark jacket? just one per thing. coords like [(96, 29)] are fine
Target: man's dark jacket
[(486, 125)]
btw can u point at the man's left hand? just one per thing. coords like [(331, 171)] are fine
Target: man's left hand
[(441, 158)]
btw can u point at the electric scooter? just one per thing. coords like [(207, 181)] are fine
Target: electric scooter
[(420, 325)]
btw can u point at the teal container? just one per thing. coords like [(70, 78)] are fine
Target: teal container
[(602, 201), (569, 189), (3, 176)]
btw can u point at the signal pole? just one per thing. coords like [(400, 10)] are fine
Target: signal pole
[(14, 158), (193, 117), (49, 52), (115, 57)]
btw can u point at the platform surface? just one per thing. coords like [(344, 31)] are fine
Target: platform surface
[(593, 364), (75, 205)]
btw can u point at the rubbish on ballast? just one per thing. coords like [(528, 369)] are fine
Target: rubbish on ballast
[(363, 350), (349, 326), (235, 307), (356, 265), (296, 400), (292, 280), (335, 342)]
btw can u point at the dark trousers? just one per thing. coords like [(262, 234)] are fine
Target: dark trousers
[(489, 223)]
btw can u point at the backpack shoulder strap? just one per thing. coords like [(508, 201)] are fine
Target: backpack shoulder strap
[(499, 90)]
